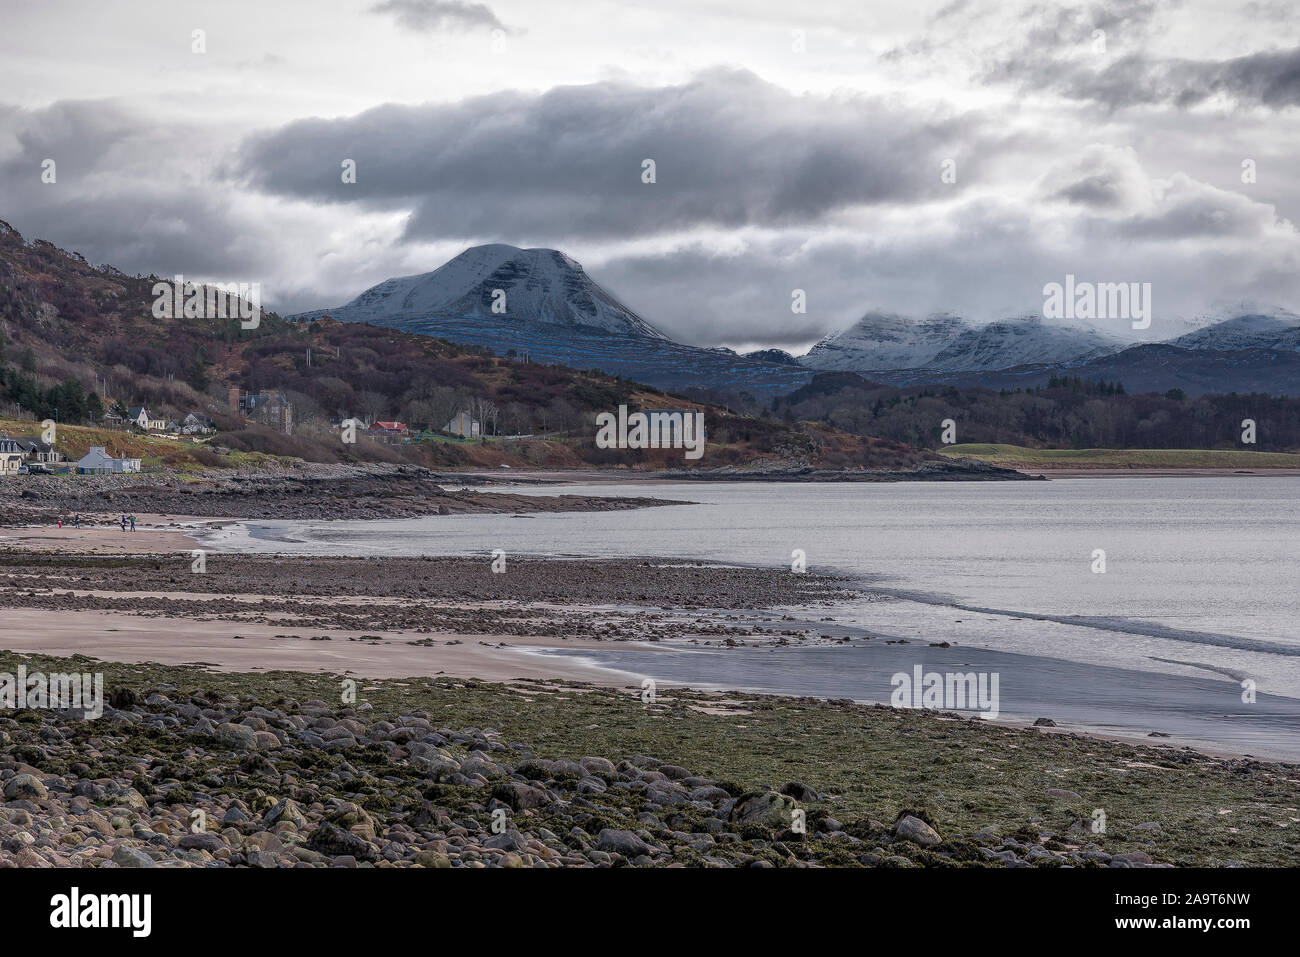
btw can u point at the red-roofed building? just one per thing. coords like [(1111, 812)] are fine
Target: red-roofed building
[(388, 432)]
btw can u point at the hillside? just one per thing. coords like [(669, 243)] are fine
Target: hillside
[(76, 338), (1062, 413)]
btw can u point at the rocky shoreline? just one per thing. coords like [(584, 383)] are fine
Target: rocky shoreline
[(306, 492), (182, 776), (315, 491), (638, 600)]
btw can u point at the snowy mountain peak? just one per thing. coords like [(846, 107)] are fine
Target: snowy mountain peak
[(882, 341), (1261, 329), (885, 341), (537, 286)]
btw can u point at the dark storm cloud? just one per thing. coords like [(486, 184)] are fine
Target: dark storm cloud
[(730, 150), (433, 15), (81, 136), (1271, 79), (127, 191), (1056, 53), (1268, 79)]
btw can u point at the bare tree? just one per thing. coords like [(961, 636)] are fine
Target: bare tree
[(444, 402), (516, 418), (371, 405), (483, 411), (564, 414)]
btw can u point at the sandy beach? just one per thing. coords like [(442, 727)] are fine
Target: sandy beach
[(608, 622), (153, 535), (174, 641), (387, 618)]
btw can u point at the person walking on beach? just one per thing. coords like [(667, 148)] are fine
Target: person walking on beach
[(124, 523), (76, 520), (133, 523)]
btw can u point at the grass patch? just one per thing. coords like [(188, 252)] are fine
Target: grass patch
[(1016, 456)]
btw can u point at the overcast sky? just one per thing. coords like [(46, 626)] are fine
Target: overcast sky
[(797, 146)]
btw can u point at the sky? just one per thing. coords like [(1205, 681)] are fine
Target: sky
[(920, 158)]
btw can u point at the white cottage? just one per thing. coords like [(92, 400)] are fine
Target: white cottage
[(98, 462), (463, 425)]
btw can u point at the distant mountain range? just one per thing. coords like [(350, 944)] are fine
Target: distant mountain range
[(547, 307), (541, 303), (888, 342)]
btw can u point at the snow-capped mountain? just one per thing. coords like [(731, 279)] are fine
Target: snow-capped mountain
[(884, 341), (887, 342), (536, 285), (1027, 340), (552, 312), (1276, 329)]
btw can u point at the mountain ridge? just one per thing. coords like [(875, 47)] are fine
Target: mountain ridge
[(537, 284), (553, 312)]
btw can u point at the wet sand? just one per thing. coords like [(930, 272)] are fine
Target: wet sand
[(607, 622), (1202, 712), (154, 535), (380, 617), (253, 647)]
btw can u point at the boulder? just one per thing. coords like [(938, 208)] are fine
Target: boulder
[(910, 828)]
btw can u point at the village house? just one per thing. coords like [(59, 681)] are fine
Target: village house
[(139, 415), (11, 456), (269, 408), (463, 424), (36, 450), (196, 424), (389, 433), (98, 462)]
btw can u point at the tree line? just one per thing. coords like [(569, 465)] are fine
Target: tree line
[(1067, 412)]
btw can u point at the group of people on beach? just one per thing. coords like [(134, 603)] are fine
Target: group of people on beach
[(125, 520)]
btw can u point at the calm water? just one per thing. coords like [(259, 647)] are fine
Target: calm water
[(1201, 579)]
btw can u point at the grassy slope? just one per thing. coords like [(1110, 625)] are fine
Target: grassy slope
[(1015, 456), (76, 440)]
